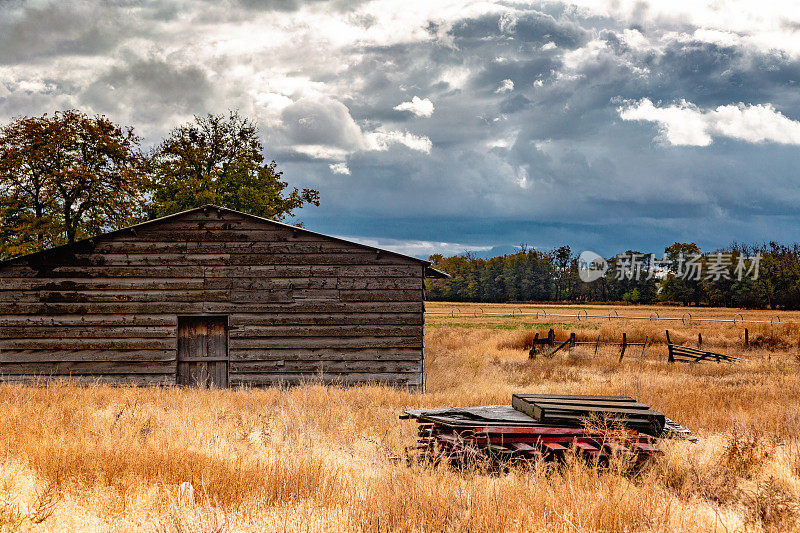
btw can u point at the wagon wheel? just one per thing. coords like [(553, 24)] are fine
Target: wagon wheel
[(683, 319), (585, 314)]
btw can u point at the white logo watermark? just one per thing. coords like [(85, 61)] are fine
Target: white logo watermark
[(591, 266)]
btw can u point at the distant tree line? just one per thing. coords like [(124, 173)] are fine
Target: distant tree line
[(69, 176), (728, 277)]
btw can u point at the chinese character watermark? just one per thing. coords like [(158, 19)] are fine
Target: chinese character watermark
[(690, 267)]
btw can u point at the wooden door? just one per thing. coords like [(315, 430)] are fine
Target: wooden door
[(203, 351)]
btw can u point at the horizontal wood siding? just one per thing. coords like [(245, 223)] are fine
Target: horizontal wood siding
[(301, 307)]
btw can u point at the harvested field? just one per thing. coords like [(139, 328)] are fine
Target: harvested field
[(316, 458)]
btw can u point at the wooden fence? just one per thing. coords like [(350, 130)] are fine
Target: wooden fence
[(676, 352)]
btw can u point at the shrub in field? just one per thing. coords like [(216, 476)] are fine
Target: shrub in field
[(771, 507), (746, 450)]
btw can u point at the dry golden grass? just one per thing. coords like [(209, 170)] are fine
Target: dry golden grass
[(318, 458)]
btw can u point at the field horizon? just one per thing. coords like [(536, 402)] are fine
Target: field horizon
[(325, 458)]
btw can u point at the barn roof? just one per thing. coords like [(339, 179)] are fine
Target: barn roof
[(77, 245)]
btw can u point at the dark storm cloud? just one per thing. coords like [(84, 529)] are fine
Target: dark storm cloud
[(530, 28), (152, 87), (27, 32), (527, 143)]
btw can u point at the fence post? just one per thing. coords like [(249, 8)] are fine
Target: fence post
[(644, 345), (597, 344), (624, 345), (551, 337), (699, 340), (571, 341), (670, 358), (746, 339), (532, 353)]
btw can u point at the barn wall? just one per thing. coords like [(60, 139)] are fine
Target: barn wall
[(300, 306)]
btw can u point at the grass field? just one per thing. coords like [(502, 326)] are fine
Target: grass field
[(316, 458)]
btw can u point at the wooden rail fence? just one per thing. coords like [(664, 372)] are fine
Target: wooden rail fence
[(675, 352), (685, 354)]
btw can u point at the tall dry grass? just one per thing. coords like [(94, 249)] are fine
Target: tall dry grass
[(318, 458)]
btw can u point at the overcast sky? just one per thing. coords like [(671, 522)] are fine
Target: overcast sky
[(436, 126)]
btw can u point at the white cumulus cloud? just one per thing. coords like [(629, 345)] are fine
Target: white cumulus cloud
[(339, 168), (684, 124), (421, 107), (381, 140), (506, 86)]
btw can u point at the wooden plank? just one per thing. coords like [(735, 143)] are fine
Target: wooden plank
[(117, 284), (348, 271), (330, 378), (214, 225), (332, 319), (302, 283), (271, 283), (84, 368), (84, 331), (126, 246), (71, 272), (197, 271), (110, 296), (104, 308), (283, 366), (380, 296), (87, 344), (580, 404), (262, 296), (190, 234), (544, 411), (327, 354), (116, 379), (221, 259), (586, 447), (183, 372), (87, 320), (322, 342), (287, 246), (30, 356), (307, 306), (575, 397), (218, 348), (327, 330), (222, 308)]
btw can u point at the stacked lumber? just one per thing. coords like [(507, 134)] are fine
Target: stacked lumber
[(575, 410), (501, 433)]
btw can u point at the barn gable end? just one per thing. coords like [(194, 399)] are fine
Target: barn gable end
[(294, 305)]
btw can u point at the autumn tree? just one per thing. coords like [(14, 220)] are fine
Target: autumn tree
[(64, 177), (218, 159)]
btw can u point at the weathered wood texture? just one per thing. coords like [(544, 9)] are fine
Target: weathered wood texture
[(203, 351), (299, 306)]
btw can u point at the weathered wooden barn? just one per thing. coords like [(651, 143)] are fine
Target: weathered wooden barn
[(214, 297)]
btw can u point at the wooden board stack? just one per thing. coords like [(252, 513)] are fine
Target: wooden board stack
[(544, 427), (560, 409)]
